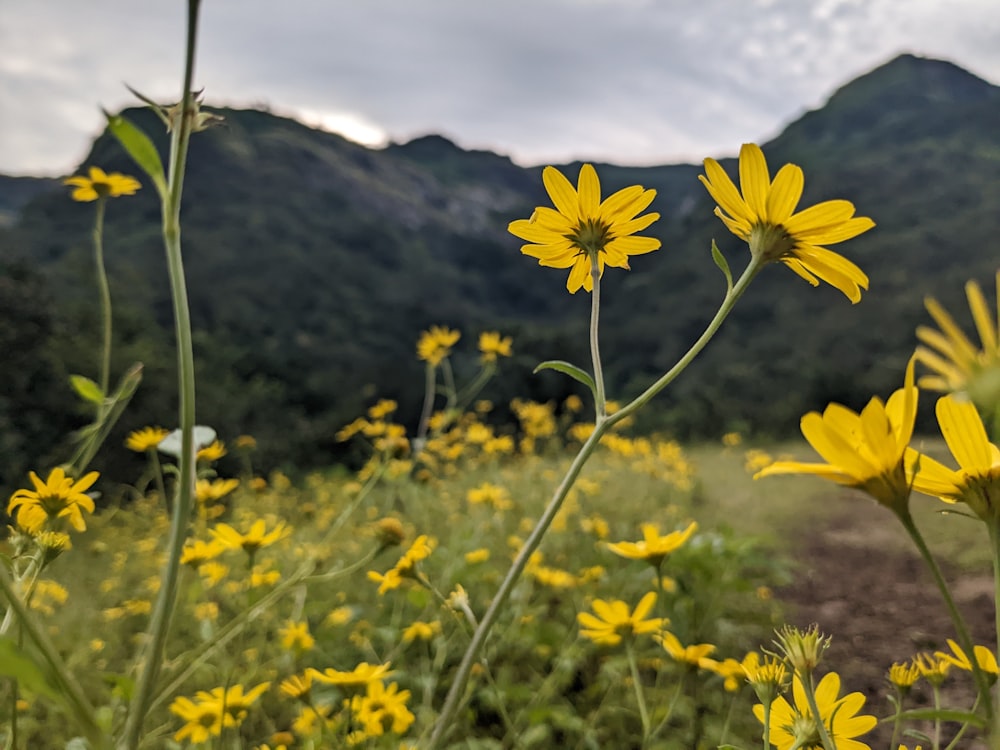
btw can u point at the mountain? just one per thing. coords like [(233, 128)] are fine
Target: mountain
[(313, 263)]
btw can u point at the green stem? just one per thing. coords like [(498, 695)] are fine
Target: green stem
[(767, 725), (600, 405), (445, 718), (76, 698), (430, 378), (937, 719), (961, 630), (105, 292), (678, 692), (810, 691), (897, 721), (166, 600), (640, 697), (731, 298), (995, 543), (452, 700)]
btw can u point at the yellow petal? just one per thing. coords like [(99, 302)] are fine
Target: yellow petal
[(724, 192), (959, 341), (561, 192), (785, 193), (754, 179), (965, 435), (589, 191), (981, 315), (820, 217)]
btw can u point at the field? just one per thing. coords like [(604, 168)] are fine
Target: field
[(764, 552)]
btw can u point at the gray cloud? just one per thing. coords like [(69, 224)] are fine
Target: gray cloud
[(630, 81)]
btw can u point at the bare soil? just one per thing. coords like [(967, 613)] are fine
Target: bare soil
[(862, 585)]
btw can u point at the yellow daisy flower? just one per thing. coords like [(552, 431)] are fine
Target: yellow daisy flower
[(382, 709), (795, 726), (256, 538), (985, 658), (696, 654), (763, 216), (434, 345), (653, 548), (955, 362), (492, 345), (361, 675), (582, 231), (868, 451), (59, 496), (145, 439), (977, 480), (99, 184), (612, 620)]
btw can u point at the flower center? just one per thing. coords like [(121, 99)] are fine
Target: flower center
[(591, 236), (53, 505), (770, 241)]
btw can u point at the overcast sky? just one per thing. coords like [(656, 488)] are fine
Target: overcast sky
[(543, 81)]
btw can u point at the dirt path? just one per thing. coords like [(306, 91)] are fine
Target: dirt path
[(859, 582)]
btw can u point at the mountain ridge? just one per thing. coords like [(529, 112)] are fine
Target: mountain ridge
[(313, 263)]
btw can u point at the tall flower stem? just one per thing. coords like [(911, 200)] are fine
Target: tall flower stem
[(640, 697), (159, 625), (991, 707), (105, 292), (961, 630), (809, 687), (595, 350), (457, 689)]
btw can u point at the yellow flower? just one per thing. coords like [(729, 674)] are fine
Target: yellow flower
[(985, 658), (492, 345), (583, 231), (361, 675), (256, 538), (297, 686), (99, 184), (145, 439), (796, 727), (732, 439), (58, 496), (613, 620), (382, 709), (903, 675), (47, 595), (477, 556), (434, 345), (868, 451), (977, 480), (653, 548), (763, 217), (955, 361), (421, 631), (211, 710), (339, 616), (211, 452), (492, 494), (295, 637), (246, 442), (696, 655), (197, 552), (933, 667), (767, 675), (210, 491), (382, 409)]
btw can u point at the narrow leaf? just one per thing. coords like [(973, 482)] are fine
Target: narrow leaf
[(944, 714), (87, 389), (723, 264), (18, 664), (140, 148), (569, 369)]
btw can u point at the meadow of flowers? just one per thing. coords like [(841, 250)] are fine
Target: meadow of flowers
[(557, 582)]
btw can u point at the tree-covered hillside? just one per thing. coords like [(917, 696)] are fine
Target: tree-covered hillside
[(313, 263)]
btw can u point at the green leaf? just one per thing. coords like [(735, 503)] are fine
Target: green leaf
[(723, 264), (140, 148), (943, 714), (87, 389), (569, 369), (18, 664)]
